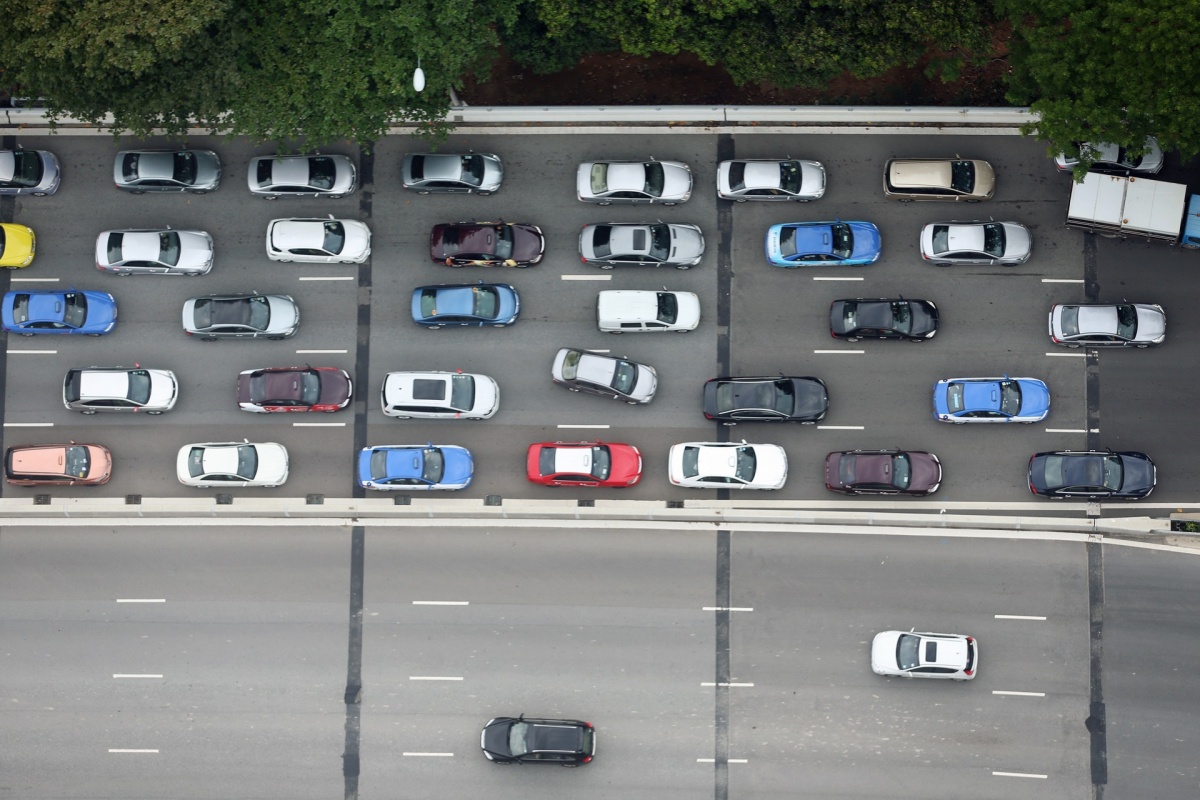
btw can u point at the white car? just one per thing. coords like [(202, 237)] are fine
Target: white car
[(634, 311), (93, 389), (154, 251), (318, 241), (439, 395), (272, 177), (1114, 158), (727, 465), (769, 179), (643, 182), (221, 465), (1005, 243), (906, 654)]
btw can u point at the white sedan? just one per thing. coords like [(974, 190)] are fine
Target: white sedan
[(727, 465), (318, 241), (220, 465), (161, 251), (767, 179)]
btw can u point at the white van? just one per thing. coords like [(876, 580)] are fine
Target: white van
[(647, 311)]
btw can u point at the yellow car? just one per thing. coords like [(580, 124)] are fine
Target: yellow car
[(17, 244)]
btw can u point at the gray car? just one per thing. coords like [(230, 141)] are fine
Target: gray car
[(160, 251), (602, 374), (272, 177), (1005, 243), (459, 173), (633, 182), (141, 171), (34, 172), (768, 179), (638, 244), (95, 389), (241, 316), (1108, 325)]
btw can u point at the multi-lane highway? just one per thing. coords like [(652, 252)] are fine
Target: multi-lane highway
[(755, 318)]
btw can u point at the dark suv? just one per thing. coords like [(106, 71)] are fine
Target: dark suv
[(565, 742)]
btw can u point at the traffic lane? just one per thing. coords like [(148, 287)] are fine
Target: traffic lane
[(815, 709), (1150, 632), (257, 663), (546, 630)]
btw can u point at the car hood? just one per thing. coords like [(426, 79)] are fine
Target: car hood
[(866, 240), (1139, 474), (677, 180), (335, 387), (687, 243), (358, 239), (926, 473), (626, 463), (688, 310), (285, 316), (195, 250), (1018, 241), (487, 395), (646, 385), (101, 311), (272, 463), (771, 467), (163, 388), (924, 317), (458, 468), (1035, 398), (883, 652), (495, 737), (1152, 323), (811, 397)]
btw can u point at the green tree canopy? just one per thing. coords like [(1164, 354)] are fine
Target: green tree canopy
[(1108, 71)]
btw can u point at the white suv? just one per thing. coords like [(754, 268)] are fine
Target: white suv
[(623, 311), (439, 395)]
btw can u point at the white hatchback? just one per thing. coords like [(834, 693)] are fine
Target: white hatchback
[(439, 395), (318, 241)]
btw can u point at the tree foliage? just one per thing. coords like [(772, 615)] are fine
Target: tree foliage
[(1108, 70)]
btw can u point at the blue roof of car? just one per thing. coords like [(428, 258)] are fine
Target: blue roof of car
[(813, 239), (981, 396), (47, 307), (456, 300)]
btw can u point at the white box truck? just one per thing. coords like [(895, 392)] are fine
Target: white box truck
[(1116, 205)]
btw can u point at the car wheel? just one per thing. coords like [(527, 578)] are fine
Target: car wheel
[(347, 262), (808, 422), (571, 389), (853, 339), (683, 330), (632, 402), (270, 197), (276, 338), (1073, 346), (683, 266), (124, 274), (499, 325), (136, 191), (917, 341), (433, 327), (740, 200), (670, 204), (208, 338), (616, 333), (1141, 346), (93, 334), (284, 260), (154, 413), (483, 194), (972, 201), (905, 199), (402, 417), (38, 194), (200, 191), (193, 274), (89, 412), (604, 203), (423, 191), (729, 424), (606, 266)]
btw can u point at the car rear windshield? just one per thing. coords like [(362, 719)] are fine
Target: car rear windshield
[(737, 176), (21, 301), (71, 385), (416, 167), (1069, 320), (570, 365), (27, 169), (600, 240), (599, 178)]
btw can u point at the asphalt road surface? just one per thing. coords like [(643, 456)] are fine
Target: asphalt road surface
[(755, 319)]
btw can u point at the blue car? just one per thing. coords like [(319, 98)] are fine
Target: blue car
[(813, 244), (495, 304), (1006, 399), (53, 311), (415, 467)]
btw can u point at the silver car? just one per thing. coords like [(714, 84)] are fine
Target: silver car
[(1108, 325), (318, 241), (272, 177), (231, 465), (141, 171), (1112, 158), (461, 173), (768, 179), (241, 316), (160, 251), (35, 172), (638, 244), (602, 374), (661, 182), (1004, 243), (95, 389), (908, 654), (439, 395)]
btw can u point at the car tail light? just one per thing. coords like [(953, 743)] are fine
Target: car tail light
[(582, 260), (186, 332), (587, 724), (586, 759)]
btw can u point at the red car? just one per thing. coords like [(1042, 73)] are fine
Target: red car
[(264, 391), (583, 464), (883, 472), (486, 244)]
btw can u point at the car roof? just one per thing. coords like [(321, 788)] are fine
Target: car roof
[(596, 368), (812, 238), (156, 164), (1097, 319), (434, 388), (575, 458), (95, 383), (221, 458), (441, 166), (761, 174), (981, 395), (38, 459), (308, 233), (941, 651), (626, 177), (717, 461), (139, 245), (964, 237), (405, 462), (47, 306)]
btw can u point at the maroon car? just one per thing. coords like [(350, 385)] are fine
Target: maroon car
[(486, 244), (883, 472), (294, 389)]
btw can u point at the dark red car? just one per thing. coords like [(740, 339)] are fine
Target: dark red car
[(294, 389), (486, 244), (583, 464), (883, 472)]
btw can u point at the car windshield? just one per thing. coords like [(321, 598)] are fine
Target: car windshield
[(139, 386), (185, 167), (462, 392), (168, 248), (668, 307), (660, 242), (75, 309), (1010, 398), (260, 312), (954, 398), (843, 239), (655, 179), (901, 471), (901, 317), (487, 301), (789, 176), (504, 241), (570, 365), (908, 650), (27, 169), (1126, 321), (310, 388), (76, 461), (335, 236), (472, 169), (516, 739), (247, 466), (601, 462), (962, 176), (745, 464), (321, 172), (435, 464), (624, 377), (599, 178), (1069, 320), (993, 239)]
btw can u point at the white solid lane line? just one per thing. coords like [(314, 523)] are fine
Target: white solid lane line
[(597, 427), (1020, 616), (432, 678), (1019, 694), (142, 600), (587, 277), (129, 750), (838, 352), (29, 424), (429, 755), (441, 603), (134, 675), (1018, 775)]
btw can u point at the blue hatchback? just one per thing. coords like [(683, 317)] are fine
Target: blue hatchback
[(478, 304), (990, 400), (415, 467), (814, 244), (52, 311)]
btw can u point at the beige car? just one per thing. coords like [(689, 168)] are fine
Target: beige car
[(908, 179)]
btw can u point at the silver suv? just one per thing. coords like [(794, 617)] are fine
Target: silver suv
[(95, 389)]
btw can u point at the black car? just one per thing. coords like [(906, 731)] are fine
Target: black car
[(1092, 475), (770, 399), (914, 320), (565, 742)]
